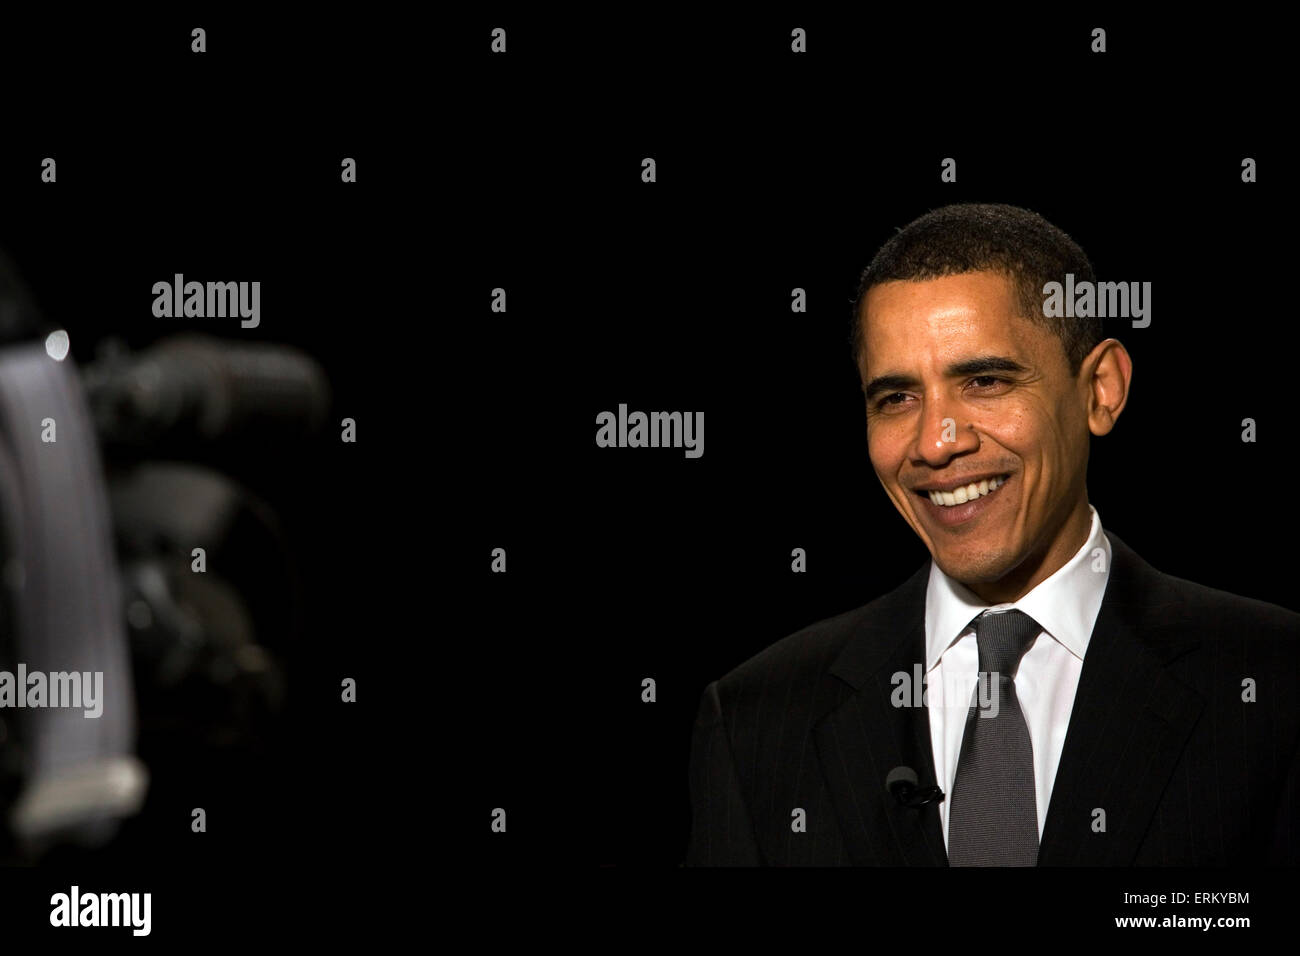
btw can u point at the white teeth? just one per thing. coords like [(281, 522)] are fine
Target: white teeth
[(967, 493)]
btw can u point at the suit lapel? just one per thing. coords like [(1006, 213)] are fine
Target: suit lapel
[(860, 736), (1129, 724)]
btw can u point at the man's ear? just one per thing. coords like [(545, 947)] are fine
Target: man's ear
[(1106, 374)]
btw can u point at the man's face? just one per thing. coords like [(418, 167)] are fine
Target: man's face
[(963, 390)]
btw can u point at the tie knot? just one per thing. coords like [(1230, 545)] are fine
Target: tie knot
[(1003, 638)]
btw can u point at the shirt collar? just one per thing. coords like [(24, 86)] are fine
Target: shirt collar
[(1065, 605)]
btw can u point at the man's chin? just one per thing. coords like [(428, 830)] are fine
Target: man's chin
[(982, 569)]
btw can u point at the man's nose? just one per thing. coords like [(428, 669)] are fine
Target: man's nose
[(942, 431)]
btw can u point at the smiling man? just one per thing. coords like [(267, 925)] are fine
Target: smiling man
[(977, 425), (1079, 706)]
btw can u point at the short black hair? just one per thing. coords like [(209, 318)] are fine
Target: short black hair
[(977, 237)]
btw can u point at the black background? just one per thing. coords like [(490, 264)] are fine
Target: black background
[(476, 429), (774, 172)]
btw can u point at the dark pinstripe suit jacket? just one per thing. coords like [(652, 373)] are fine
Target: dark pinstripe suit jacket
[(1187, 773)]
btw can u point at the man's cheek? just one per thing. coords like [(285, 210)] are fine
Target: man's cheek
[(880, 448), (886, 472)]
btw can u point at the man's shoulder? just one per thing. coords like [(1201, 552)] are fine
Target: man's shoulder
[(1168, 603), (802, 657)]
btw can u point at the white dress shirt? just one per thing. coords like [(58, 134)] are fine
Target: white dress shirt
[(1065, 607)]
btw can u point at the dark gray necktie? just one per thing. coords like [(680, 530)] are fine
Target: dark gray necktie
[(992, 811)]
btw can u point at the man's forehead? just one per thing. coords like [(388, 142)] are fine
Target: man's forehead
[(956, 312), (988, 294)]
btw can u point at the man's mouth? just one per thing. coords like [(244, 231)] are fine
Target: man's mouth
[(965, 493), (954, 508)]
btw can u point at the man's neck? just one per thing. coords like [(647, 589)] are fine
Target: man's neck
[(1040, 566)]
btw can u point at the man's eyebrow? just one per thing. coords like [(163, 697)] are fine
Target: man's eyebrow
[(888, 383), (983, 365)]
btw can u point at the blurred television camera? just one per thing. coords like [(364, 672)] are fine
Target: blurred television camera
[(126, 552)]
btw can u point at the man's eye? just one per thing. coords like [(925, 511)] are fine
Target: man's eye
[(989, 379), (887, 399)]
